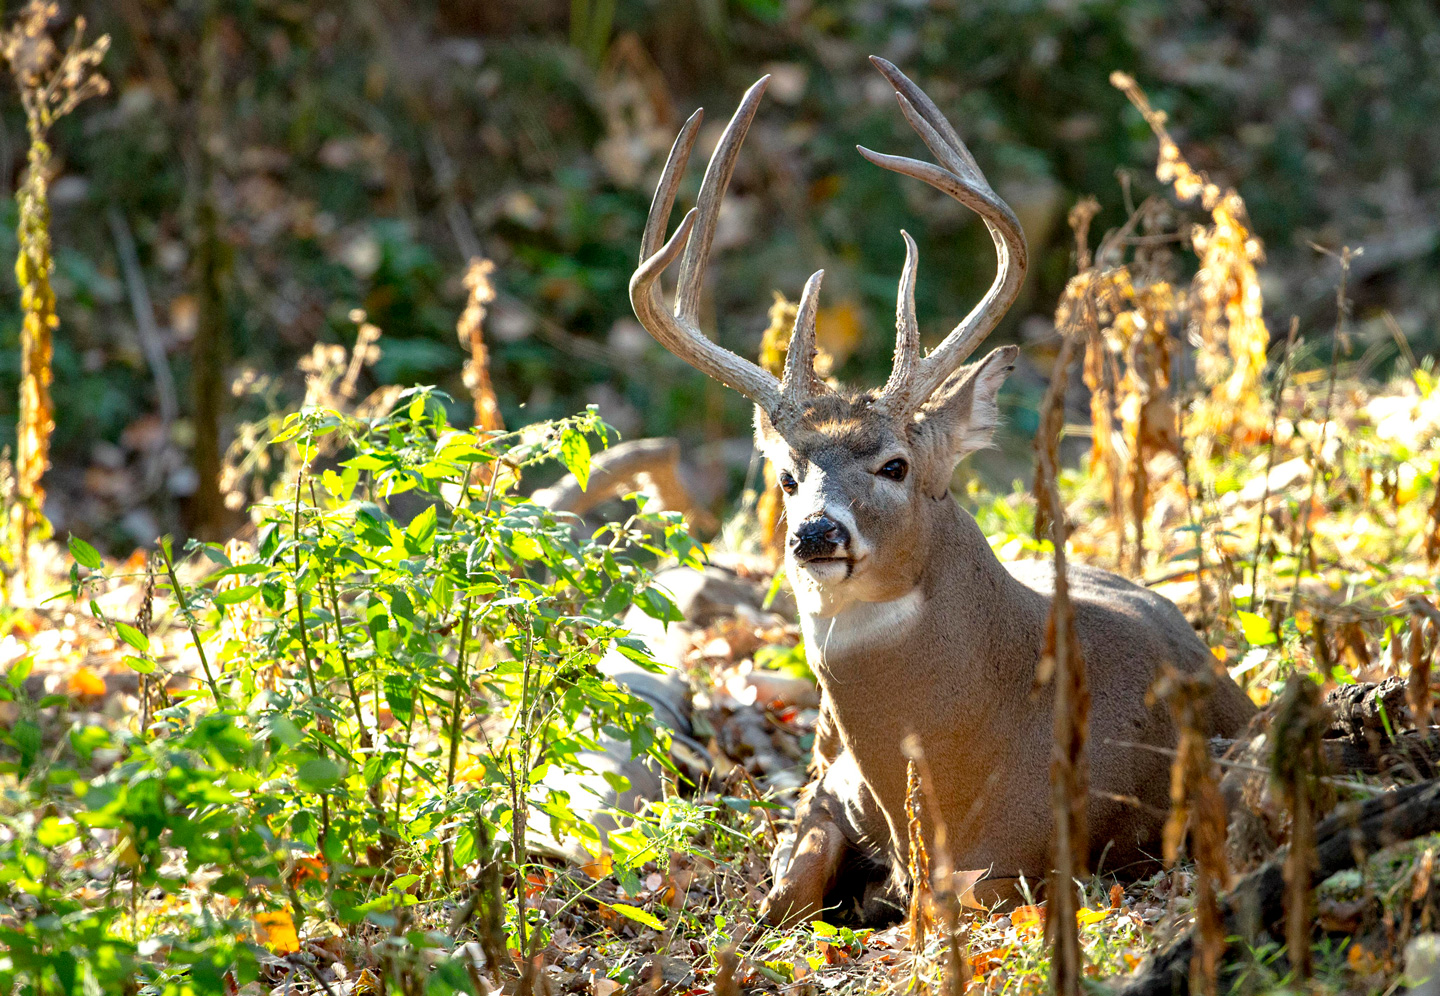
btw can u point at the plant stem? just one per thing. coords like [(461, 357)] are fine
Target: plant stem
[(190, 621), (460, 669)]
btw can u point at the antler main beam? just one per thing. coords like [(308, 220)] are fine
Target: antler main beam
[(960, 177), (679, 332)]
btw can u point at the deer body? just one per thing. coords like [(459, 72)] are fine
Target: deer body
[(911, 623), (953, 663)]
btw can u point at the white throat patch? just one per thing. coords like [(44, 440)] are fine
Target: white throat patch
[(859, 626)]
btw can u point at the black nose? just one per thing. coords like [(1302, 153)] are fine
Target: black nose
[(818, 537)]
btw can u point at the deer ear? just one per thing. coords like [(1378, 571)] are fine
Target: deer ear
[(962, 415)]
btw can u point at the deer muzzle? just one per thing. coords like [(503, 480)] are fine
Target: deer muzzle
[(819, 538)]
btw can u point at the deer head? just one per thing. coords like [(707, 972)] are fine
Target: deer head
[(859, 469)]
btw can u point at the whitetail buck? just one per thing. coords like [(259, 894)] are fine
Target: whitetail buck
[(911, 623)]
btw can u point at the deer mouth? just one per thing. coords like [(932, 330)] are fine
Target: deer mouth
[(824, 567)]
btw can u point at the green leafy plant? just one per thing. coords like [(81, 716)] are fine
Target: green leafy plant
[(382, 681)]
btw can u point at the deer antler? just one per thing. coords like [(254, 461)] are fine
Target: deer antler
[(679, 332), (913, 378)]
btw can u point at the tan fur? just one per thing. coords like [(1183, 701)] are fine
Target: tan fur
[(958, 666)]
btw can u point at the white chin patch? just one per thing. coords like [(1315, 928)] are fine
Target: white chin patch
[(827, 571)]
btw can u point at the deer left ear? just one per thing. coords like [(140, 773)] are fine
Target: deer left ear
[(962, 415)]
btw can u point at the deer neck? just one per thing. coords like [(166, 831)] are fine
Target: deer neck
[(962, 596)]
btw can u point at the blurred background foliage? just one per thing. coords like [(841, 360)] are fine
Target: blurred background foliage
[(357, 152)]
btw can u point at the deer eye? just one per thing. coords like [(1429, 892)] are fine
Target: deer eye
[(787, 483), (895, 470)]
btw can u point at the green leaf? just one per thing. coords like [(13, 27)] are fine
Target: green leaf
[(20, 670), (318, 773), (1257, 629), (421, 531), (526, 547), (658, 605), (638, 915), (133, 636), (139, 665), (85, 555), (575, 455), (241, 594)]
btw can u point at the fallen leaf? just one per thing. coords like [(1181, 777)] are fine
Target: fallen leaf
[(276, 930), (1086, 917), (964, 883), (1028, 919), (85, 683), (604, 987), (1117, 896), (599, 868), (987, 960)]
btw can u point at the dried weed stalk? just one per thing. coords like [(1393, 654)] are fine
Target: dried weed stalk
[(922, 913), (1297, 761), (470, 328), (944, 888), (1062, 663), (1197, 808), (1224, 302), (1277, 401), (52, 83)]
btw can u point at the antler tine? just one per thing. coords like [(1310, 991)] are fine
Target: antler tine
[(665, 190), (907, 332), (712, 192), (801, 381), (959, 177), (679, 332)]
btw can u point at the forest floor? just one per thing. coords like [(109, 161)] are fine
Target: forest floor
[(683, 922)]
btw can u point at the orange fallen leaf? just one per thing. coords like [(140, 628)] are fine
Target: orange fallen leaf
[(85, 683), (536, 882), (1362, 962), (986, 960), (1028, 919), (276, 930), (308, 868), (1117, 896), (600, 867)]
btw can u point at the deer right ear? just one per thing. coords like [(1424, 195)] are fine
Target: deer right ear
[(961, 417)]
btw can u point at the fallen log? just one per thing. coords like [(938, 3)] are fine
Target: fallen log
[(1368, 710), (1352, 833)]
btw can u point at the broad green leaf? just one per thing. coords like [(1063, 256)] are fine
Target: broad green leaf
[(575, 455), (140, 665), (133, 636), (658, 605), (318, 773), (19, 671), (85, 555), (241, 594), (421, 531)]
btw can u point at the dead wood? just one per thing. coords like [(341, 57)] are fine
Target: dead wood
[(1368, 709), (650, 465), (1349, 835)]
